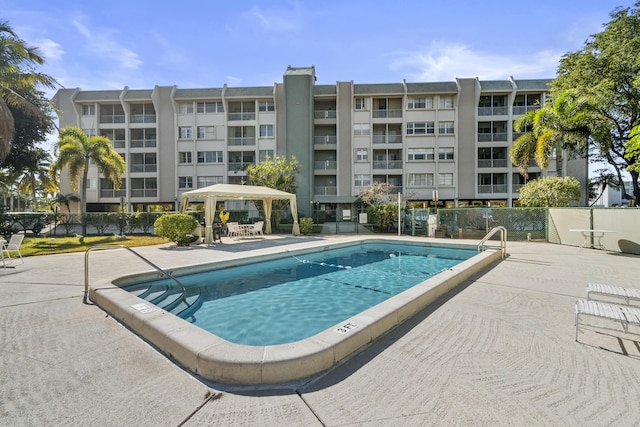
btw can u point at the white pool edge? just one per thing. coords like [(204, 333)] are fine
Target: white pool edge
[(218, 360)]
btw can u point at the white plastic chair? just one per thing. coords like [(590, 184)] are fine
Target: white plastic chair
[(233, 230), (13, 246), (257, 229)]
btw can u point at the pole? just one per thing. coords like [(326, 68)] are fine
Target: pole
[(398, 213)]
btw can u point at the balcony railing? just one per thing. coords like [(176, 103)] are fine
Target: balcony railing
[(496, 188), (489, 137), (492, 111), (387, 139), (521, 109), (324, 164), (387, 164), (325, 139), (381, 114), (242, 116), (119, 143), (326, 190), (143, 118), (492, 163), (238, 166), (150, 192), (324, 114), (112, 193), (118, 118), (244, 140), (143, 143), (142, 168)]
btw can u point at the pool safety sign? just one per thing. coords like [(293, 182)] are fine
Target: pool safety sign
[(346, 328), (143, 308)]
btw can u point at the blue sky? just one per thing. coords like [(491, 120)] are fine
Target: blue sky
[(138, 43)]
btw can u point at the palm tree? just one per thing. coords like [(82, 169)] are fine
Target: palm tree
[(76, 150), (17, 61), (36, 175), (66, 200), (559, 123)]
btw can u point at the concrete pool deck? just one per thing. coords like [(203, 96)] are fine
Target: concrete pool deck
[(499, 350)]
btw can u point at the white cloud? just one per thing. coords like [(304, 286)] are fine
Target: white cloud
[(50, 49), (102, 44), (233, 81), (280, 22), (446, 61)]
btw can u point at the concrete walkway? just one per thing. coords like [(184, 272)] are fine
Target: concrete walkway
[(499, 350)]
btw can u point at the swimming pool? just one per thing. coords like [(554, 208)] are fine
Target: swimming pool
[(222, 361), (293, 298)]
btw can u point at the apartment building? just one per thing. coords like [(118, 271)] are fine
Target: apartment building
[(442, 143)]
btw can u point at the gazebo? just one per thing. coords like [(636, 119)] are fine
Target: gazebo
[(213, 193)]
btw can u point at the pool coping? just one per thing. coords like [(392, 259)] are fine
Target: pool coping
[(218, 360)]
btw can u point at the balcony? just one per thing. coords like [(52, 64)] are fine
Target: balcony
[(324, 114), (112, 193), (325, 139), (150, 192), (241, 141), (492, 111), (387, 139), (241, 116), (327, 190), (143, 118), (324, 164), (143, 143), (492, 137), (118, 118), (238, 166), (387, 164), (383, 114), (492, 163), (119, 143), (522, 109), (143, 168), (496, 188)]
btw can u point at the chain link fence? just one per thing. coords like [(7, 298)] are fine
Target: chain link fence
[(475, 223)]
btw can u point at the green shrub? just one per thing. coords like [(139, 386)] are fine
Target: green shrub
[(306, 225), (176, 227)]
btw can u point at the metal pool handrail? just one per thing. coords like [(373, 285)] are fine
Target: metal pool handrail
[(102, 247), (503, 239)]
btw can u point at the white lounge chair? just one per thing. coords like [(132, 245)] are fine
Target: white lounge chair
[(599, 289), (624, 314), (13, 245)]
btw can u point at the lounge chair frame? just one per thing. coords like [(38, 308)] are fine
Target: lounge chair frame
[(624, 314), (602, 290)]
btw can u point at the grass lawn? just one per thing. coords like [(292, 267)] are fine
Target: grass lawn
[(61, 245)]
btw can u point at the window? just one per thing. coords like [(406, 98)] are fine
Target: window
[(420, 180), (89, 132), (145, 137), (111, 113), (263, 154), (206, 132), (92, 183), (266, 131), (420, 128), (360, 104), (89, 110), (446, 101), (210, 107), (185, 108), (362, 155), (266, 106), (184, 157), (361, 129), (185, 182), (445, 179), (205, 181), (445, 128), (143, 162), (492, 183), (361, 180), (143, 113), (415, 103), (445, 153), (185, 132), (144, 187), (420, 154), (210, 157)]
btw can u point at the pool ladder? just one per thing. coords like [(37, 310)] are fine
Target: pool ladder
[(503, 239), (103, 247)]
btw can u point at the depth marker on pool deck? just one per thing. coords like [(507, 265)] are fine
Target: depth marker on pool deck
[(346, 328), (143, 308)]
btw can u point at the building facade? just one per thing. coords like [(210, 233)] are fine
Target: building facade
[(444, 143)]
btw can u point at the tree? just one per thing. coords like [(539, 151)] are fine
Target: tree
[(17, 74), (380, 197), (607, 72), (76, 150), (277, 173), (558, 124), (633, 149), (551, 191), (36, 176)]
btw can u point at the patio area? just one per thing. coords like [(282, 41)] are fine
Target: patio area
[(499, 350)]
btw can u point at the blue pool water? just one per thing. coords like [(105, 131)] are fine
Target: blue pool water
[(293, 298)]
